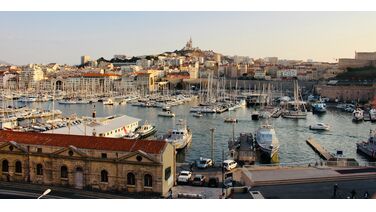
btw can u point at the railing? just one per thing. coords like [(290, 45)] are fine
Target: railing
[(317, 164)]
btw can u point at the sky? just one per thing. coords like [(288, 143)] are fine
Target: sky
[(62, 37)]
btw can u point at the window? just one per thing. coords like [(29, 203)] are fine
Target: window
[(5, 166), (39, 150), (104, 155), (39, 169), (148, 180), (131, 179), (70, 153), (18, 167), (104, 176), (167, 173), (64, 172)]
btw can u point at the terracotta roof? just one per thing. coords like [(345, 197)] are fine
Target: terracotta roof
[(99, 75), (83, 142)]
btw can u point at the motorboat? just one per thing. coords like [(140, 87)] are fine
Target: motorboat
[(255, 115), (146, 130), (294, 114), (319, 107), (231, 120), (166, 113), (319, 126), (372, 114), (368, 147), (358, 115), (132, 136), (180, 136), (267, 141), (197, 114), (108, 102)]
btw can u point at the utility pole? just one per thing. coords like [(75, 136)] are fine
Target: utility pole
[(212, 143), (223, 173)]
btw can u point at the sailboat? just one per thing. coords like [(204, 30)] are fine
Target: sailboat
[(296, 112)]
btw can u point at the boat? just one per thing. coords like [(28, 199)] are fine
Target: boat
[(255, 115), (267, 141), (67, 102), (368, 147), (319, 126), (372, 114), (358, 115), (146, 130), (319, 107), (231, 120), (296, 112), (197, 114), (108, 102), (132, 136), (180, 136), (166, 113)]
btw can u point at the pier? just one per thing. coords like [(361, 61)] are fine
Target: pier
[(324, 154)]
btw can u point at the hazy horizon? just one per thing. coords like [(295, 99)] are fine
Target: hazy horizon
[(62, 37)]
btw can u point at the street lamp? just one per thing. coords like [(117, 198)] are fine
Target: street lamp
[(44, 193)]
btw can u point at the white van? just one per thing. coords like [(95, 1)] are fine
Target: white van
[(229, 165)]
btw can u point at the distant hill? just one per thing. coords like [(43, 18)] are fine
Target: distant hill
[(365, 73)]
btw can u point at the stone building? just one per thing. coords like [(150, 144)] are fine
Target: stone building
[(362, 59), (342, 92), (86, 162)]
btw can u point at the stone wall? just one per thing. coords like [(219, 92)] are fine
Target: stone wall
[(347, 93)]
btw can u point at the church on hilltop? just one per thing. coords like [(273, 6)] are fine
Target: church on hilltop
[(189, 46)]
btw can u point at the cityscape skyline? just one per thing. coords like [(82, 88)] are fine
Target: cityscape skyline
[(63, 37)]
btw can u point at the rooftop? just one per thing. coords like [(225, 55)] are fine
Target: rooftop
[(83, 142), (101, 125)]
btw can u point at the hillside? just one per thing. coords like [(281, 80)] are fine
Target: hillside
[(365, 73)]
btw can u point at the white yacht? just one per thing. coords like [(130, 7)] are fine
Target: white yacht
[(197, 114), (108, 102), (319, 126), (180, 136), (146, 130), (166, 113), (131, 135), (372, 114), (267, 140), (358, 114)]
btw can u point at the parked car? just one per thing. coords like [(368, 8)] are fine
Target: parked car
[(204, 163), (213, 182), (199, 180), (229, 165), (184, 177)]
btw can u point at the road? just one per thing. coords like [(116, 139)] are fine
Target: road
[(318, 190)]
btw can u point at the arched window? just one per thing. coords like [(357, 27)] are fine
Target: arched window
[(148, 180), (131, 179), (64, 172), (39, 169), (18, 167), (5, 166), (104, 176)]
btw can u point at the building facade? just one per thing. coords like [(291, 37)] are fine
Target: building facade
[(87, 162)]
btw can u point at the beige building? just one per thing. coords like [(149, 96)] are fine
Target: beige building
[(87, 162)]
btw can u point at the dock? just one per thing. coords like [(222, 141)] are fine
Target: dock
[(243, 149), (324, 154)]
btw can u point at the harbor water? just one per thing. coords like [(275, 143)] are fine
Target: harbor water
[(292, 134)]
